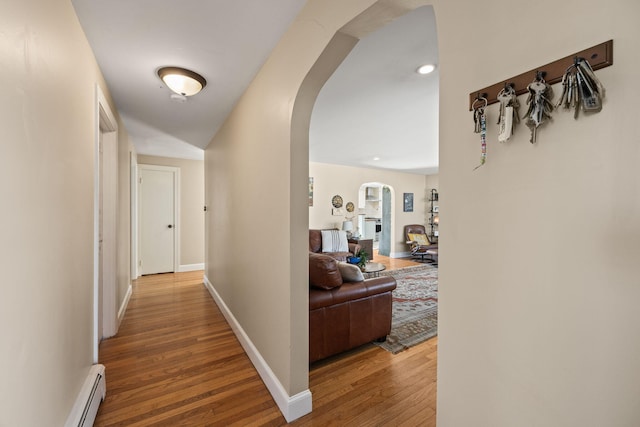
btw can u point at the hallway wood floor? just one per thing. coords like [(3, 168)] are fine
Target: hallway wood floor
[(176, 362)]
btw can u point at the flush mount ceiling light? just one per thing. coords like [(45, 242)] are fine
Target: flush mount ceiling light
[(426, 69), (182, 81)]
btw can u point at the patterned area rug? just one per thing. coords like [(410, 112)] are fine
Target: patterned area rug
[(415, 307)]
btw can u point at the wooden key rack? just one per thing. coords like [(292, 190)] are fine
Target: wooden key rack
[(599, 56)]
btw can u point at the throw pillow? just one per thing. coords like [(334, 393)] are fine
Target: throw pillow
[(334, 241), (420, 239), (323, 271), (350, 272)]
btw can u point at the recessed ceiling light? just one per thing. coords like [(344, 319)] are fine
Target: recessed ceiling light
[(376, 158), (182, 81), (426, 69)]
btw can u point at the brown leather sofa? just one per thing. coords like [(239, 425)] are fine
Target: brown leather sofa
[(315, 246), (344, 314)]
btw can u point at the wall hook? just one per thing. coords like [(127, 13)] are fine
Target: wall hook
[(599, 56)]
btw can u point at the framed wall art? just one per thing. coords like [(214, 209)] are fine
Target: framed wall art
[(408, 202)]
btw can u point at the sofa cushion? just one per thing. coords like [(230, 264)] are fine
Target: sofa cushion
[(334, 241), (350, 272), (323, 271)]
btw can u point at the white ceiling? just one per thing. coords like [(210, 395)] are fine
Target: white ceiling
[(374, 105), (377, 106)]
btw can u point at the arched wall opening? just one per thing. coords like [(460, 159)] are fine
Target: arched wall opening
[(376, 16), (376, 217), (256, 173)]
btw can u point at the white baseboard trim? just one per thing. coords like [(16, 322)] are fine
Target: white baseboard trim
[(190, 267), (292, 407), (399, 254), (123, 306)]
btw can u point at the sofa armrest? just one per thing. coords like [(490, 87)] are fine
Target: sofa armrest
[(350, 291)]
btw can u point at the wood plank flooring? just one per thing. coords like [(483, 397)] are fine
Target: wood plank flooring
[(393, 263), (176, 362)]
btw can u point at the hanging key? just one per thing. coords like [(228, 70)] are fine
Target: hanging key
[(480, 120), (581, 89), (540, 106), (565, 91), (590, 99), (508, 112)]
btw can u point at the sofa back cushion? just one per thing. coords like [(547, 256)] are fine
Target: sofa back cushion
[(315, 241), (323, 271)]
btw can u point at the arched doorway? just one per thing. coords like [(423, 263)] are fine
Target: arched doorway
[(375, 215), (258, 162), (376, 16)]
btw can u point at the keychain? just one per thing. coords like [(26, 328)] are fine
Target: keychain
[(581, 88), (540, 107), (509, 115), (480, 120)]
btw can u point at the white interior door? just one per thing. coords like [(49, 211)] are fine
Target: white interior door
[(157, 219)]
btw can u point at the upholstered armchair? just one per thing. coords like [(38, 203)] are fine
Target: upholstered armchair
[(418, 241)]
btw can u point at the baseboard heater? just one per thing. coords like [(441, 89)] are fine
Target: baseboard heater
[(91, 395)]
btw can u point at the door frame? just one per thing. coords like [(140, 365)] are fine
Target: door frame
[(133, 202), (176, 212), (390, 220), (104, 297)]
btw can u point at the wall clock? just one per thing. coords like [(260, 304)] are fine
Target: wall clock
[(350, 207), (336, 201)]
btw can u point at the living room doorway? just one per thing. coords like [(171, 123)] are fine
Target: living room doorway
[(375, 215), (353, 122)]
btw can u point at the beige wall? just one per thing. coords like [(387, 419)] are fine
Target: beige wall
[(191, 205), (345, 181), (256, 172), (539, 322), (47, 134), (538, 316), (432, 181)]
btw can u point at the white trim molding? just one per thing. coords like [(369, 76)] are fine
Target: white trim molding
[(399, 254), (125, 303), (292, 407), (190, 267), (105, 187)]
